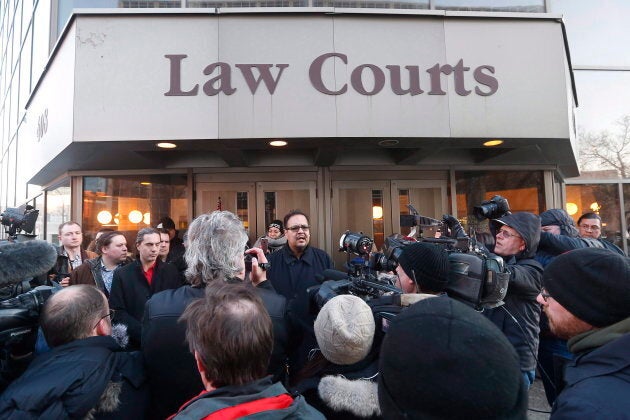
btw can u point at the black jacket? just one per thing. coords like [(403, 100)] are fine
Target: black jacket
[(344, 392), (91, 376), (171, 367), (558, 244), (524, 286), (130, 291)]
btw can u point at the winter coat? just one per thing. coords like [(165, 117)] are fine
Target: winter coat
[(228, 397), (130, 292), (63, 267), (290, 277), (171, 368), (556, 244), (524, 286), (344, 392), (597, 381), (91, 377), (90, 272)]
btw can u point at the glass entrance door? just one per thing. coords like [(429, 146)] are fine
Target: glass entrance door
[(237, 197)]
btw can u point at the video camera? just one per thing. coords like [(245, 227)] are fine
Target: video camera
[(20, 302), (19, 219), (476, 277)]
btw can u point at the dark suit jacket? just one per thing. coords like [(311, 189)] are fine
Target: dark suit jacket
[(130, 292)]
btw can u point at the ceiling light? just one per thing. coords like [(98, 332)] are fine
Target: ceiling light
[(135, 216), (572, 208), (145, 183), (104, 217), (166, 145), (277, 143), (491, 143), (388, 142)]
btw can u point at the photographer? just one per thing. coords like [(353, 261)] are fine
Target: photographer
[(517, 237), (70, 254)]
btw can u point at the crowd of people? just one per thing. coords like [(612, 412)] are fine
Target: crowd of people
[(186, 329)]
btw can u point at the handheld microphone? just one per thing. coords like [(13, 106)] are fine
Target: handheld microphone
[(20, 261)]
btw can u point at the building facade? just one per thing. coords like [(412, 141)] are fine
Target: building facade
[(380, 105)]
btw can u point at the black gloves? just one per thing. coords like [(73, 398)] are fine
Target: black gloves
[(455, 228)]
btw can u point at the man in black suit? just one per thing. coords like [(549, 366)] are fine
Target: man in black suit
[(134, 284)]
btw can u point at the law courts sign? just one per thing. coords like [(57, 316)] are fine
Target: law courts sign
[(309, 74)]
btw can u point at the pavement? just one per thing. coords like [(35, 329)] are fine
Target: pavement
[(538, 402)]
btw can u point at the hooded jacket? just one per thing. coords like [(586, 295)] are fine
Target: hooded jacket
[(524, 286), (91, 377)]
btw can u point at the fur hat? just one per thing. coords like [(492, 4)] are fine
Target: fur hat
[(344, 329), (428, 263), (441, 359), (591, 283)]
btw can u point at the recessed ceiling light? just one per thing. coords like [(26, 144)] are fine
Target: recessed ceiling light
[(491, 143), (278, 143), (145, 183), (167, 145), (388, 142)]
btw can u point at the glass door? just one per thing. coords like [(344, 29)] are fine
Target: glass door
[(237, 197)]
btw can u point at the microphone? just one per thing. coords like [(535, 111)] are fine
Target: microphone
[(22, 260)]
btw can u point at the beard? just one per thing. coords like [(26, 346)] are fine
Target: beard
[(568, 327)]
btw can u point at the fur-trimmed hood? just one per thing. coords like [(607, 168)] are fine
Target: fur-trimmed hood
[(358, 396)]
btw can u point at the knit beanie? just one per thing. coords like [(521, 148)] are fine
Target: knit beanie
[(441, 359), (428, 263), (591, 283), (344, 329), (277, 224)]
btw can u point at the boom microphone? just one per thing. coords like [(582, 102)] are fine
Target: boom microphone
[(20, 261)]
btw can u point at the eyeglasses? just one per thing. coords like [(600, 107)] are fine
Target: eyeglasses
[(589, 227), (110, 314), (504, 233), (297, 228), (544, 295)]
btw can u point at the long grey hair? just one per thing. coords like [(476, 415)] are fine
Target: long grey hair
[(216, 242)]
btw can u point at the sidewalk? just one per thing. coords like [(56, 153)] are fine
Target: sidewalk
[(537, 401)]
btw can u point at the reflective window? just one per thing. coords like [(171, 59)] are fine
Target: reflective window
[(603, 122), (523, 190), (602, 199), (130, 203), (57, 211), (597, 31), (529, 6)]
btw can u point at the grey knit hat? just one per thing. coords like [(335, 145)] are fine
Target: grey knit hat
[(344, 329)]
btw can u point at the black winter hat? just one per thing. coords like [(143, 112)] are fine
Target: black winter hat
[(428, 263), (441, 359), (591, 283)]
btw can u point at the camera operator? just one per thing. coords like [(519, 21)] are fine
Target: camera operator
[(70, 255), (422, 268), (517, 236), (86, 374)]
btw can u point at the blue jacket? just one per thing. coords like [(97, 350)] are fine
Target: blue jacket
[(92, 376), (559, 244), (597, 384)]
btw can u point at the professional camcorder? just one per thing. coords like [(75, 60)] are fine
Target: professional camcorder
[(476, 277), (21, 301), (19, 219)]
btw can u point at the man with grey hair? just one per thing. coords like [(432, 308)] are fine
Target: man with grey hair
[(214, 253), (86, 374), (134, 283)]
